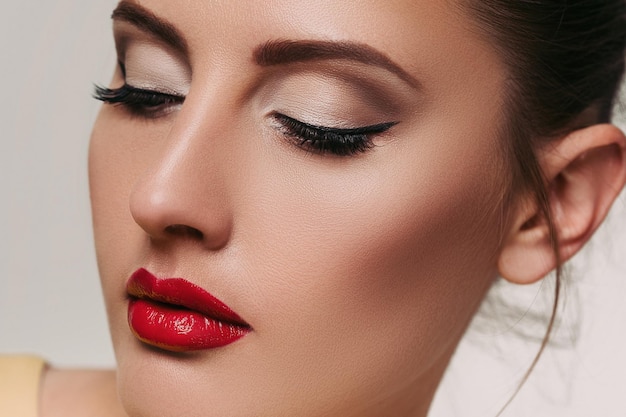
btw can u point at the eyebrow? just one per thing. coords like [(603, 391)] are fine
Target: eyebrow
[(142, 18), (273, 52), (280, 52)]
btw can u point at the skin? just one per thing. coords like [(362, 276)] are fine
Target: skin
[(359, 274)]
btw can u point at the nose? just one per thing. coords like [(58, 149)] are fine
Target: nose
[(181, 192)]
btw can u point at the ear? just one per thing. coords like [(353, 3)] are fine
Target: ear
[(585, 171)]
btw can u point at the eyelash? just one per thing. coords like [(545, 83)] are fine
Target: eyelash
[(337, 141), (318, 139), (139, 101)]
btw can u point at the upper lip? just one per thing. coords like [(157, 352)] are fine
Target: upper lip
[(180, 292)]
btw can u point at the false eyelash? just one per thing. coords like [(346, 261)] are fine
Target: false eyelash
[(337, 141), (138, 101)]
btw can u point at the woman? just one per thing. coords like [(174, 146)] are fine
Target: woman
[(298, 207)]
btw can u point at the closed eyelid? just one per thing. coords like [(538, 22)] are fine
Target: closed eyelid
[(152, 66)]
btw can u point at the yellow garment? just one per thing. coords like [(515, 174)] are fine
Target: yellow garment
[(19, 385)]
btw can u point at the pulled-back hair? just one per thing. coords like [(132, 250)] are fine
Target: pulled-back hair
[(565, 60), (564, 57)]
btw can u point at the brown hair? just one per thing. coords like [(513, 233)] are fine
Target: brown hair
[(565, 60)]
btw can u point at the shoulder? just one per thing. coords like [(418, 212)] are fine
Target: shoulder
[(70, 393), (19, 385)]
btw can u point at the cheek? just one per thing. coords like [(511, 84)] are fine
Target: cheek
[(118, 154), (355, 259), (335, 262)]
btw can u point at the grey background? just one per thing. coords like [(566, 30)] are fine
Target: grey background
[(50, 303)]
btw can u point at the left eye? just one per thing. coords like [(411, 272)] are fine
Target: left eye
[(138, 101), (323, 139)]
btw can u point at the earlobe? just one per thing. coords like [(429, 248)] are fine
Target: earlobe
[(585, 172)]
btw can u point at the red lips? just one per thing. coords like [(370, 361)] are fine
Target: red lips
[(176, 315)]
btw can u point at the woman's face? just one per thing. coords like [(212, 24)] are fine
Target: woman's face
[(356, 254)]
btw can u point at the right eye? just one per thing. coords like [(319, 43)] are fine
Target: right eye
[(139, 101)]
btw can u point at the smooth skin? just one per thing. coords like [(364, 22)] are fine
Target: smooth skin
[(359, 274)]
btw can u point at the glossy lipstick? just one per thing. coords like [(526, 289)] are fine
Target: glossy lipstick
[(176, 315)]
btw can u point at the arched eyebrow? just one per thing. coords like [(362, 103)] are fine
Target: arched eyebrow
[(273, 52), (280, 52), (145, 20)]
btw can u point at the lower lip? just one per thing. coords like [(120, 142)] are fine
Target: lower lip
[(177, 329)]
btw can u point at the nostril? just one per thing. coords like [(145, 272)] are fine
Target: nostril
[(184, 231)]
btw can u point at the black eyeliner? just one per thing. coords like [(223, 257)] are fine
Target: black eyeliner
[(137, 100), (361, 130), (324, 139)]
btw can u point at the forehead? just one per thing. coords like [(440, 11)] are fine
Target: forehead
[(428, 38)]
